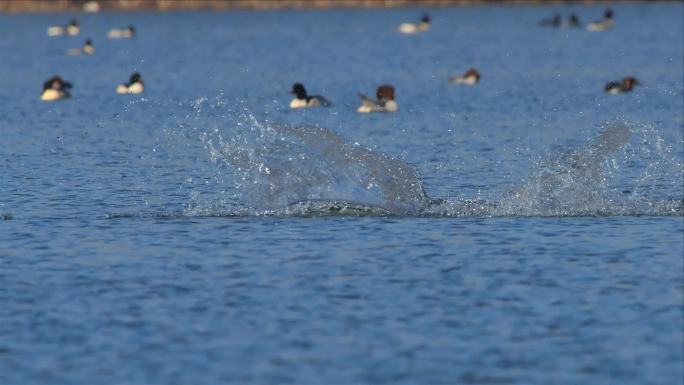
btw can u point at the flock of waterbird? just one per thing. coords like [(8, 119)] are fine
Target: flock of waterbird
[(56, 88), (614, 87), (385, 101)]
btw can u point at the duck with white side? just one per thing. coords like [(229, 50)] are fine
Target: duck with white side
[(624, 85), (413, 28), (470, 78), (303, 100), (55, 88), (603, 24), (121, 33), (71, 29), (135, 85), (87, 49), (385, 101)]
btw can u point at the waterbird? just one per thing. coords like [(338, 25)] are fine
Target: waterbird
[(121, 33), (302, 100), (87, 49), (553, 22), (412, 28), (385, 101), (470, 78), (624, 85), (71, 29), (55, 88), (573, 21), (91, 7), (134, 86), (603, 24)]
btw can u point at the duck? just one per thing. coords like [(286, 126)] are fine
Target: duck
[(603, 24), (470, 78), (121, 33), (573, 21), (412, 28), (624, 85), (71, 29), (91, 7), (55, 88), (302, 100), (384, 103), (553, 22), (135, 85), (87, 49)]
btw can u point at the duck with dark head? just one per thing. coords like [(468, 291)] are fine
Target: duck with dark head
[(303, 100), (55, 88), (121, 33), (573, 21), (135, 85), (71, 29), (87, 49), (412, 28), (603, 24)]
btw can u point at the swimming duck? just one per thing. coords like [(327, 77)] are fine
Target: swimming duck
[(55, 89), (87, 49), (121, 33), (134, 86), (411, 28), (302, 100), (384, 103), (470, 78), (72, 29), (573, 21), (554, 22), (91, 7), (625, 85), (602, 25)]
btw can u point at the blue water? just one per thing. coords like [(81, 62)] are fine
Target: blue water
[(528, 230)]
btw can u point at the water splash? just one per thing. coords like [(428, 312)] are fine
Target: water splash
[(312, 171), (262, 169), (571, 183), (586, 181), (280, 166)]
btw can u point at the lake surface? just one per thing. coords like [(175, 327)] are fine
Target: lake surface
[(528, 230)]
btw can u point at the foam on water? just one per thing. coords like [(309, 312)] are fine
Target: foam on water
[(312, 171)]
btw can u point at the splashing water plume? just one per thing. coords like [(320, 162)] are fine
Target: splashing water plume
[(312, 171), (281, 166)]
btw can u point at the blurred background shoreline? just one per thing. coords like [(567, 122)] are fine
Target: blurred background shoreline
[(23, 6)]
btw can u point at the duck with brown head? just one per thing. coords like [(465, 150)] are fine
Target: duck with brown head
[(384, 103), (470, 78), (624, 85)]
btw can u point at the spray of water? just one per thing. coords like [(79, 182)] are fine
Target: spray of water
[(261, 168)]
